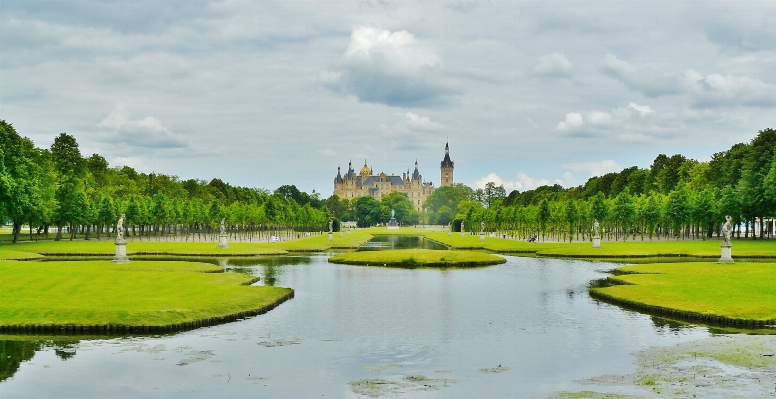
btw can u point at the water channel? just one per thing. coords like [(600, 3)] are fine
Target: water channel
[(524, 329)]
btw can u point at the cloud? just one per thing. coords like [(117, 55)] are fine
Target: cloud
[(136, 163), (327, 152), (596, 168), (716, 89), (554, 65), (422, 123), (596, 123), (648, 83), (146, 133), (522, 182), (391, 68), (412, 132), (711, 90)]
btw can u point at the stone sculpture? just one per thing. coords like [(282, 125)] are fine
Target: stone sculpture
[(120, 228), (726, 248), (121, 244), (596, 234), (727, 229)]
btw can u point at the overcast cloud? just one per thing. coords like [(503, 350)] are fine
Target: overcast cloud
[(266, 93)]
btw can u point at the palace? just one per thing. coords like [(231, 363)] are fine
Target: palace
[(353, 185)]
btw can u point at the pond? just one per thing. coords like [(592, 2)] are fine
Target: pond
[(378, 243), (526, 328)]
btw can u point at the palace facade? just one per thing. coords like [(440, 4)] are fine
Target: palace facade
[(352, 185)]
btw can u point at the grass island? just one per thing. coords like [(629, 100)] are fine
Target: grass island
[(147, 297), (412, 258), (740, 294)]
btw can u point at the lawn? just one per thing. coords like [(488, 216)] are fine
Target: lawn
[(418, 258), (93, 247), (734, 291), (142, 293), (745, 248), (315, 243)]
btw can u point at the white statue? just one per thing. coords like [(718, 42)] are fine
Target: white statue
[(727, 229), (596, 229), (462, 229), (482, 226), (331, 226), (222, 228), (120, 229), (393, 214)]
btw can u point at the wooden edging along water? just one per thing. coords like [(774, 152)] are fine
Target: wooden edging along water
[(123, 329), (682, 314)]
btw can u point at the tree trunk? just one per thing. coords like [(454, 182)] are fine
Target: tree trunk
[(59, 233), (17, 227)]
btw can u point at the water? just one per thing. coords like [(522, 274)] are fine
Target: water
[(378, 243), (526, 328)]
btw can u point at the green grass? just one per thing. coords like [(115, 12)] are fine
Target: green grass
[(673, 248), (142, 293), (316, 243), (67, 247), (734, 291), (418, 258), (7, 253)]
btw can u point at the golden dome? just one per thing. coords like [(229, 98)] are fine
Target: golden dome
[(365, 171)]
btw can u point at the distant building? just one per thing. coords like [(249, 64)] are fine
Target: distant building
[(353, 185)]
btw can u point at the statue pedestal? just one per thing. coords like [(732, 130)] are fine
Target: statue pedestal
[(726, 254), (482, 236), (449, 232), (331, 237), (222, 241), (596, 242), (348, 232), (463, 234), (121, 253), (341, 233)]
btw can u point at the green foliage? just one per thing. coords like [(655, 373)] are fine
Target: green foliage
[(367, 211)]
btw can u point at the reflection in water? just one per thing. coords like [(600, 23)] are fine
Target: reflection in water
[(13, 353), (269, 268), (379, 243)]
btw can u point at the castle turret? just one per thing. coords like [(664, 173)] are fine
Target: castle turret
[(446, 168)]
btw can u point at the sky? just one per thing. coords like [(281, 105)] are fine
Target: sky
[(262, 94)]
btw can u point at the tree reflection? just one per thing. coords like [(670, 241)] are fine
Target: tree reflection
[(13, 353)]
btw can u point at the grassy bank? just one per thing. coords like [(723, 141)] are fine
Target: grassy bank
[(412, 258), (98, 296), (741, 294), (316, 243)]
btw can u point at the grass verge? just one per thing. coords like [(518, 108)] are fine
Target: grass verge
[(412, 258), (741, 294), (143, 296)]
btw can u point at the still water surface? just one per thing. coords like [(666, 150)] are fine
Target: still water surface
[(526, 328)]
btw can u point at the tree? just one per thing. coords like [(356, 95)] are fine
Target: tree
[(752, 188), (572, 217), (624, 211), (67, 156), (367, 211), (21, 179), (401, 204), (493, 193)]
